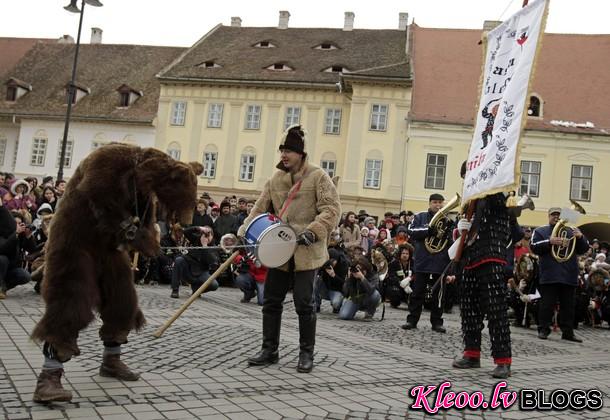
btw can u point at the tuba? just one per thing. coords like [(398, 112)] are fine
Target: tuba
[(563, 253), (436, 243)]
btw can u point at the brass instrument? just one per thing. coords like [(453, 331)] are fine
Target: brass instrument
[(525, 202), (436, 243), (563, 253)]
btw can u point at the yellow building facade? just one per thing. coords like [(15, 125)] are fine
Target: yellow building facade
[(557, 164), (395, 129)]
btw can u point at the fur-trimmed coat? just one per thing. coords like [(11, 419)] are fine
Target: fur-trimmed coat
[(315, 207)]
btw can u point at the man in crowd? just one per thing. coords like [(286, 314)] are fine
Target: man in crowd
[(196, 266), (226, 222), (427, 267), (558, 279), (242, 210)]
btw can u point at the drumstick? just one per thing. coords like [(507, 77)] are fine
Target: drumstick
[(195, 295)]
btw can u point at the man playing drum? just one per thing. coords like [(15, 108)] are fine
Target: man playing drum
[(304, 197)]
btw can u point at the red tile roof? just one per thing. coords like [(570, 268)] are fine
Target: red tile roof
[(572, 78), (12, 49)]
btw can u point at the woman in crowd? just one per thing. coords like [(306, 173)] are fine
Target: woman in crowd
[(49, 196), (350, 230)]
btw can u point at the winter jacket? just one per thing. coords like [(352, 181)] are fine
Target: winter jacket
[(552, 271), (225, 224), (424, 261), (350, 236), (12, 245), (315, 208), (259, 273), (202, 219), (199, 260), (356, 290)]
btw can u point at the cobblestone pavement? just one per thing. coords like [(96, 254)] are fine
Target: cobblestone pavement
[(363, 369)]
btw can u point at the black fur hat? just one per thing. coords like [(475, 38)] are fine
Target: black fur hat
[(295, 140)]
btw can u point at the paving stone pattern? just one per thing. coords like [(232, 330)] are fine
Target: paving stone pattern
[(363, 369)]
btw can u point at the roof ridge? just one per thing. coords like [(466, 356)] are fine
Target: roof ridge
[(187, 51)]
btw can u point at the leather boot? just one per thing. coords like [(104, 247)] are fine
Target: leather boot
[(307, 341), (113, 367), (467, 363), (268, 354), (48, 387)]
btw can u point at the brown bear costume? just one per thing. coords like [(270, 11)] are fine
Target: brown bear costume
[(108, 209)]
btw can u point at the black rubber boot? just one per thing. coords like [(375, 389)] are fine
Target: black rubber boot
[(307, 341), (271, 340), (467, 363)]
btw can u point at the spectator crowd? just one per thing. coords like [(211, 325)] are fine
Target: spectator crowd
[(371, 262)]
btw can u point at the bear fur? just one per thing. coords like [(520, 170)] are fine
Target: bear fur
[(87, 267)]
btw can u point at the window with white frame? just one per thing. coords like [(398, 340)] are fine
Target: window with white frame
[(436, 167), (173, 150), (246, 169), (253, 117), (333, 121), (178, 113), (530, 178), (39, 151), (330, 166), (215, 115), (372, 173), (209, 164), (68, 155), (379, 117), (3, 142), (581, 182), (293, 116)]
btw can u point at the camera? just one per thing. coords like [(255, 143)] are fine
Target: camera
[(354, 268)]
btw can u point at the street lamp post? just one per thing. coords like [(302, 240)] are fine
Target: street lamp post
[(72, 7)]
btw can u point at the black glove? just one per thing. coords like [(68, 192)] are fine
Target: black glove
[(306, 238), (432, 230)]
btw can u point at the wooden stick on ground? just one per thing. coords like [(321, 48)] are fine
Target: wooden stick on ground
[(195, 295)]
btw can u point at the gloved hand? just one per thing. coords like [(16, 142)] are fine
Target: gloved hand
[(405, 284), (522, 285), (306, 238), (464, 224), (432, 230), (525, 299)]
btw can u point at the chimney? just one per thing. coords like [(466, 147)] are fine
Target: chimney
[(96, 36), (65, 39), (236, 22), (348, 25), (403, 21), (488, 25), (284, 16)]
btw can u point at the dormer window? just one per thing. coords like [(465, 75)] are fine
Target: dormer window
[(128, 95), (336, 69), (11, 93), (326, 46), (534, 108), (280, 67), (209, 64), (264, 44), (80, 92), (16, 88)]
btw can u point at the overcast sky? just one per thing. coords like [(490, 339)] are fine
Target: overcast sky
[(182, 22)]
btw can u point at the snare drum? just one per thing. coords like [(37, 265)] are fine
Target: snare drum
[(274, 242)]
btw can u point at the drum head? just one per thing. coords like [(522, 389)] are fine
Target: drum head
[(276, 245)]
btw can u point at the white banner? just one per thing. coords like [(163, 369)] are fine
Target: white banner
[(509, 58)]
